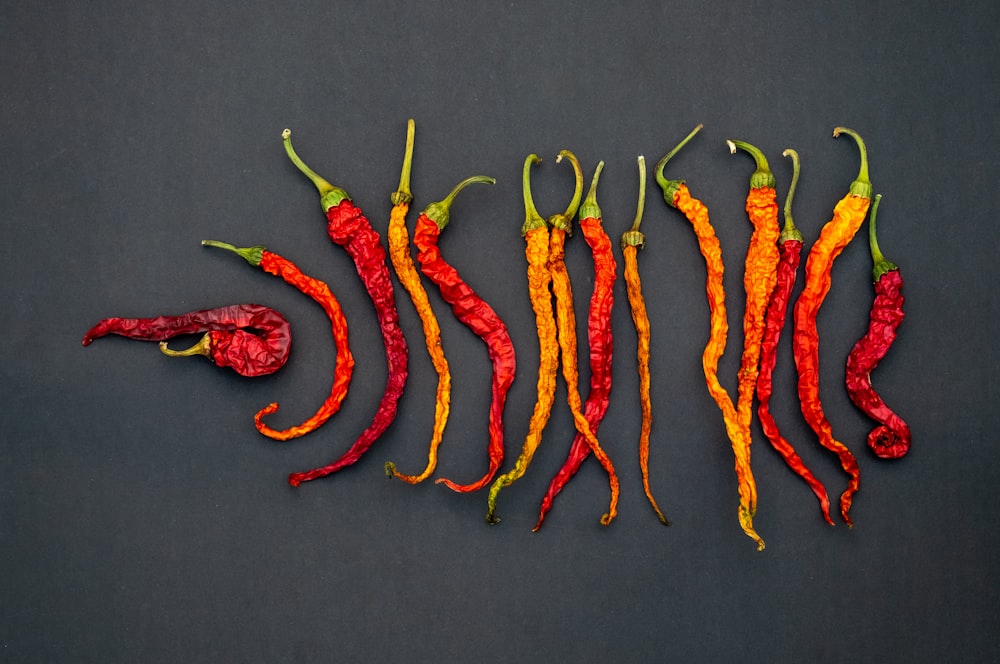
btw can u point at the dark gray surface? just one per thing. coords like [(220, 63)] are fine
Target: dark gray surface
[(143, 519)]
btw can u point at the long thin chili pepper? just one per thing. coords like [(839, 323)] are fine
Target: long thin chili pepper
[(790, 252), (891, 439), (561, 226), (252, 339), (600, 338), (474, 313), (279, 266), (406, 271), (348, 227), (848, 215), (677, 195), (536, 235)]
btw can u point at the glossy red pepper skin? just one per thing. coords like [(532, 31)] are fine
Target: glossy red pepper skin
[(348, 227), (251, 339), (484, 322)]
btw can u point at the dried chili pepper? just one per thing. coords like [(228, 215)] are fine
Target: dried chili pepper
[(348, 227), (677, 195), (891, 439), (252, 339), (561, 226), (848, 215), (790, 252), (406, 271), (536, 235), (600, 339), (475, 314), (279, 266)]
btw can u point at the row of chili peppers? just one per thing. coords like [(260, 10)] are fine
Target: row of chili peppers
[(255, 340)]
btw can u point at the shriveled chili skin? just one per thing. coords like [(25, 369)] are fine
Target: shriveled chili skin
[(566, 337), (231, 344), (343, 369), (484, 322), (891, 439), (790, 256), (348, 227), (848, 216), (536, 252), (708, 243), (601, 340)]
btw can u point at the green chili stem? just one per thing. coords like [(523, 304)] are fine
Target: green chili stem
[(670, 186), (203, 347), (790, 232), (403, 194), (881, 265), (762, 177), (861, 186), (252, 255), (564, 221), (532, 219), (330, 196), (440, 212), (633, 236), (589, 209)]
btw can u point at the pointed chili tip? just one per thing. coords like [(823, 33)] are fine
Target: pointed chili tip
[(669, 187), (862, 186), (440, 212)]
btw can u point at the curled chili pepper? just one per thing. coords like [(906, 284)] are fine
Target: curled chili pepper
[(474, 313), (677, 195), (251, 339), (406, 271), (279, 266), (348, 227), (891, 439), (790, 252), (561, 226), (848, 215), (600, 338)]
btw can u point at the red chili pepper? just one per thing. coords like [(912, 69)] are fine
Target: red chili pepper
[(274, 264), (476, 315), (848, 215), (790, 250), (891, 439), (251, 339), (348, 227), (599, 337)]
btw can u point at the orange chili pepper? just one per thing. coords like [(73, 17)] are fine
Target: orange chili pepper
[(677, 195), (561, 225), (406, 271), (536, 251), (848, 215), (633, 240)]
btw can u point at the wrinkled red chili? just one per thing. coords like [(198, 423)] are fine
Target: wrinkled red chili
[(251, 339), (279, 266), (348, 227), (891, 439), (474, 313)]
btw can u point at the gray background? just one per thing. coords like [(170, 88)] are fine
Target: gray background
[(142, 518)]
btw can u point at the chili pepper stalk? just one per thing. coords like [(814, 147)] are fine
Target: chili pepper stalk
[(320, 292), (891, 438), (677, 195), (406, 271), (348, 227), (790, 252), (848, 215)]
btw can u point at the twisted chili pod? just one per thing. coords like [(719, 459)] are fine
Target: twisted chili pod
[(406, 271), (348, 227), (891, 439), (274, 264), (561, 226), (474, 313), (599, 334), (848, 215), (790, 252), (251, 339), (677, 195)]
